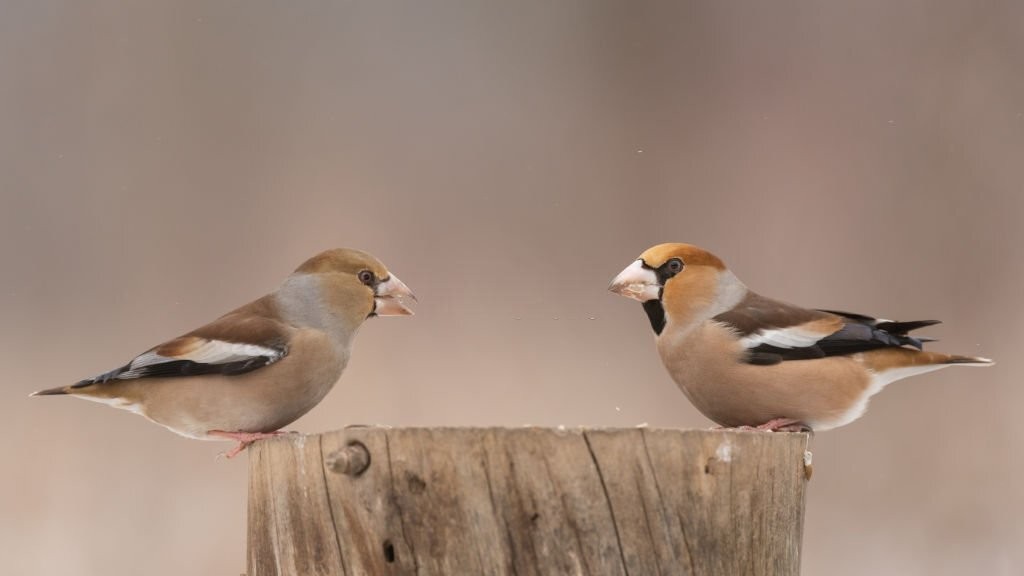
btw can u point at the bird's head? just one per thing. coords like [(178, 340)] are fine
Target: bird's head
[(676, 281), (359, 271)]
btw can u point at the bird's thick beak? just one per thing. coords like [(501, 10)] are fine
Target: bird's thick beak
[(636, 282), (389, 297)]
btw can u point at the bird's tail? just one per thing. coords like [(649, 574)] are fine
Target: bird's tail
[(52, 391), (902, 328), (919, 358), (896, 363), (80, 388), (969, 360)]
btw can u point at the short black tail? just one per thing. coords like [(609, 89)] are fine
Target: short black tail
[(901, 328), (893, 327)]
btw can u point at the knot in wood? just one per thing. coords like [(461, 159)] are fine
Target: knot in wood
[(352, 460)]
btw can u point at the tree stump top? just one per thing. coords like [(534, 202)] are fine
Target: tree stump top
[(527, 501)]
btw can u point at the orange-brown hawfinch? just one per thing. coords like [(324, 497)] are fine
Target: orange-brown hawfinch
[(260, 367), (749, 361)]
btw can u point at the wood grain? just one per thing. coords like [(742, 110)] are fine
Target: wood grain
[(528, 501)]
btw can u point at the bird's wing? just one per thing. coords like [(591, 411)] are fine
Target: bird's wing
[(234, 344), (773, 331)]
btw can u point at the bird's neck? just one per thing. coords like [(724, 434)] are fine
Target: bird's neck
[(303, 304), (688, 311)]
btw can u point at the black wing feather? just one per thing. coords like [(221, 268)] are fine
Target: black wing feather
[(856, 336), (180, 368), (860, 333)]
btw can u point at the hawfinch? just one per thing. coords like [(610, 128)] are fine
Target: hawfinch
[(749, 361), (260, 367)]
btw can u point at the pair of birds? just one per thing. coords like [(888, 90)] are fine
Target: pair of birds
[(742, 359)]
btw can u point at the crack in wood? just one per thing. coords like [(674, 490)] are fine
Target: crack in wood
[(647, 519), (661, 500), (330, 505), (570, 519), (686, 542), (398, 506), (608, 501), (277, 524), (496, 511)]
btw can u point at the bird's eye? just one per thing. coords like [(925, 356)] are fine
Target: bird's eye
[(366, 277), (675, 265)]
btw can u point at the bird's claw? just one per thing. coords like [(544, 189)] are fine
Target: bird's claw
[(775, 425), (784, 425), (244, 439)]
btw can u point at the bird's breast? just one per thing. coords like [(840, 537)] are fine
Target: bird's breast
[(698, 356)]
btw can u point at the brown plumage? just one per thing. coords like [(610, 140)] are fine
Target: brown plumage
[(261, 366), (746, 360)]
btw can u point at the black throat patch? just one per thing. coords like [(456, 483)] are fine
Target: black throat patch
[(656, 314)]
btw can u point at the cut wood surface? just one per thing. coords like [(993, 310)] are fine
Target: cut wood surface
[(524, 501)]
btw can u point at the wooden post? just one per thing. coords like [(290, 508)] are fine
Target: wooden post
[(475, 501)]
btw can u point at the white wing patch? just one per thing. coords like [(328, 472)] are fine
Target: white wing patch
[(210, 352), (790, 337)]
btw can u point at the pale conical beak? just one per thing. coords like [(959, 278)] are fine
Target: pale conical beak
[(636, 282), (389, 297)]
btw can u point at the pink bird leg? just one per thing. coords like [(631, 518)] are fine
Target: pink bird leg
[(243, 439)]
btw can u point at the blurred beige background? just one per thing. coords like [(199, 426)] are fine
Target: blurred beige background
[(161, 164)]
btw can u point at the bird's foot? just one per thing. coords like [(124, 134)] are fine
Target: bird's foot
[(776, 425), (243, 439), (784, 425)]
